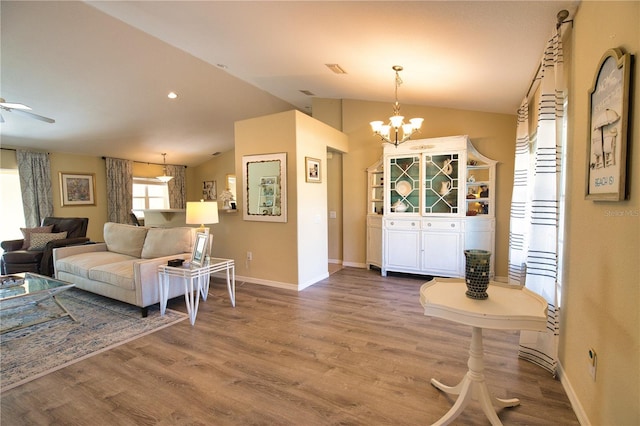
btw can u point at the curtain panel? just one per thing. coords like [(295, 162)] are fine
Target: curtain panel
[(119, 189), (177, 187), (535, 214), (34, 171)]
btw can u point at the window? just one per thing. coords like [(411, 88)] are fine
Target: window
[(149, 193), (11, 219)]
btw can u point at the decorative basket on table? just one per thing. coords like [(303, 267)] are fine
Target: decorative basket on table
[(477, 271)]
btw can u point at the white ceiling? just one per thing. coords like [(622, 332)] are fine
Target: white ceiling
[(102, 70)]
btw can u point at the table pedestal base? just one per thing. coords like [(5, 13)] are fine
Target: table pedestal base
[(473, 387)]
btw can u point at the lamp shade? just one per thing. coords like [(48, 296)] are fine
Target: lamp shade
[(201, 213)]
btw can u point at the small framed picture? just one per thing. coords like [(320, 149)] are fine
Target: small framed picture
[(77, 189), (209, 190), (312, 170), (199, 249)]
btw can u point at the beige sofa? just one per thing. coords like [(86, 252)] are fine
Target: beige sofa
[(125, 266)]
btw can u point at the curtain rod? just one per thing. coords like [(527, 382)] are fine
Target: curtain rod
[(16, 150), (561, 20), (148, 163), (534, 80)]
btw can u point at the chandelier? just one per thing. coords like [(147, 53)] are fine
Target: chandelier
[(396, 122), (164, 178)]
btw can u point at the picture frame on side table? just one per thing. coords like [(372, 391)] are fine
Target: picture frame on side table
[(77, 189), (608, 124), (312, 170), (200, 249)]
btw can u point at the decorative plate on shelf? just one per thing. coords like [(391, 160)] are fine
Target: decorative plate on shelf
[(404, 188)]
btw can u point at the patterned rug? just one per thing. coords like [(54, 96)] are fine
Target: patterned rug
[(102, 324)]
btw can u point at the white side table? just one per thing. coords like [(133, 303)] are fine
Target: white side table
[(507, 308), (195, 278)]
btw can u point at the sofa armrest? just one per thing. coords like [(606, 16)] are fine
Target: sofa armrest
[(11, 245), (145, 275)]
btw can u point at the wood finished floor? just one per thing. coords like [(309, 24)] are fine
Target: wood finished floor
[(354, 349)]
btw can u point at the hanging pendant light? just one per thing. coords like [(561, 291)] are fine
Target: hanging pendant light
[(164, 178), (396, 122)]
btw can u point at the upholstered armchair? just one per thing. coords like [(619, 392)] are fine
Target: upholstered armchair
[(35, 254)]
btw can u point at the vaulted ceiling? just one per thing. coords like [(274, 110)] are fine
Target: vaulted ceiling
[(103, 70)]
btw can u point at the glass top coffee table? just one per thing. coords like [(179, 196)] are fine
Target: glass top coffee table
[(20, 291)]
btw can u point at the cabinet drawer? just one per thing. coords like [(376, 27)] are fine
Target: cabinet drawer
[(402, 224), (442, 225)]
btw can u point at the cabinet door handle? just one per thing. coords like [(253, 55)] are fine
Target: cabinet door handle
[(413, 224), (392, 223), (453, 225), (429, 224)]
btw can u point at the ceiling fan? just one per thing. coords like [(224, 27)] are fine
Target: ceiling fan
[(21, 109)]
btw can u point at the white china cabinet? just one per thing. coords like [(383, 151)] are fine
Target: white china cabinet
[(430, 200)]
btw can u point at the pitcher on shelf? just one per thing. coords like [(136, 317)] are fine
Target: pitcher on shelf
[(447, 167), (445, 187)]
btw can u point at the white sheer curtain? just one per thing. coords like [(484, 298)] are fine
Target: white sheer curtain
[(534, 242), (119, 189), (35, 183)]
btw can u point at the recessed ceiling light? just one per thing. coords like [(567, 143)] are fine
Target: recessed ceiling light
[(172, 95)]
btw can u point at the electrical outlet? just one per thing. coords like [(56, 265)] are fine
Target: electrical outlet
[(593, 363), (249, 255)]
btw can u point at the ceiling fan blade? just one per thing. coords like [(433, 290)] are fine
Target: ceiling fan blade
[(13, 105), (32, 115)]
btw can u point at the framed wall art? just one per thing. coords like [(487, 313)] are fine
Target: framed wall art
[(209, 190), (77, 189), (312, 170), (608, 122)]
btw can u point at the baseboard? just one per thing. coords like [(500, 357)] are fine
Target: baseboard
[(287, 286), (573, 398), (336, 261), (252, 280), (354, 264)]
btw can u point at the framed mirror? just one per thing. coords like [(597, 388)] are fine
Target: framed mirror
[(264, 187), (228, 196)]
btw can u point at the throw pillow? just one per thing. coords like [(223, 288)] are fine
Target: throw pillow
[(39, 241), (26, 233), (162, 242)]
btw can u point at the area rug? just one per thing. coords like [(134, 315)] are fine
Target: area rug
[(101, 324)]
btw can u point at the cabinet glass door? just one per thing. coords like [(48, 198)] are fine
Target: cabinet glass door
[(441, 184), (404, 184)]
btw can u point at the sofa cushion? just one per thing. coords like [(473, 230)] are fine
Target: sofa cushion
[(118, 274), (166, 242), (26, 233), (81, 264), (124, 239), (39, 241)]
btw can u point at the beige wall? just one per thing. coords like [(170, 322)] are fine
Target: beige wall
[(65, 162), (601, 296), (292, 254), (492, 134)]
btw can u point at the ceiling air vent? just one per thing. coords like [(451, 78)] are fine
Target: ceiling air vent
[(307, 92), (336, 68)]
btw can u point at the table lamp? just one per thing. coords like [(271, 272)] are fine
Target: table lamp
[(199, 212)]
